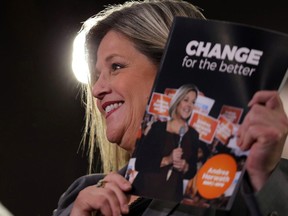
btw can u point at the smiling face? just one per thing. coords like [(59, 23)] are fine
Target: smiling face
[(185, 107), (124, 81)]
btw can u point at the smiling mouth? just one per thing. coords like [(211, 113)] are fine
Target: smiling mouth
[(110, 108), (187, 110)]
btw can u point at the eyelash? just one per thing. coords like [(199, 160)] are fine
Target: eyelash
[(186, 100), (116, 66)]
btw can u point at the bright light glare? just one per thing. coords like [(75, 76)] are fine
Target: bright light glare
[(79, 63)]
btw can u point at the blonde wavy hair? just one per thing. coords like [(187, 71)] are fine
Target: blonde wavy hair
[(147, 24)]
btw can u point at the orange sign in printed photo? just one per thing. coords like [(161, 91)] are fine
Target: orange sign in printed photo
[(224, 130), (216, 175), (232, 113), (170, 92), (205, 125), (159, 104)]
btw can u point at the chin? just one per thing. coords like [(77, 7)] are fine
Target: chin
[(113, 138)]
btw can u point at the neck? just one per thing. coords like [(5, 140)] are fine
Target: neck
[(174, 125)]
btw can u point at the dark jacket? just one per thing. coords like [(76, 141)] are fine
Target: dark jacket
[(272, 200)]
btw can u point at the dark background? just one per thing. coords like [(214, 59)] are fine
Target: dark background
[(42, 117)]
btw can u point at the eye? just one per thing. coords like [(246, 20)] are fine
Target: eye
[(116, 66)]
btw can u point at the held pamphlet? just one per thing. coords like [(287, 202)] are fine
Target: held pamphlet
[(227, 63)]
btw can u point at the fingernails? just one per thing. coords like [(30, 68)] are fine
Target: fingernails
[(127, 185), (125, 209)]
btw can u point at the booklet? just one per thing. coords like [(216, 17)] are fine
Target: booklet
[(209, 72)]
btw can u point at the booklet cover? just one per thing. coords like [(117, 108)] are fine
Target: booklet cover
[(187, 151)]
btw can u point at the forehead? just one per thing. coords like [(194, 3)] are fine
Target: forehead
[(190, 95), (114, 41)]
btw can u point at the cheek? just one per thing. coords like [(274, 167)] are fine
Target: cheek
[(138, 99), (181, 105), (99, 106)]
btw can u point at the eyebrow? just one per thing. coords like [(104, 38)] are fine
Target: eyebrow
[(111, 56), (108, 58)]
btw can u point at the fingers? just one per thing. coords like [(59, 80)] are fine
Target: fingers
[(270, 99), (266, 111), (263, 132), (109, 198), (178, 162), (118, 180), (92, 198), (259, 135), (177, 154), (179, 165), (118, 184), (258, 116)]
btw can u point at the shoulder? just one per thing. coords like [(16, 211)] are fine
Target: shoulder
[(192, 131), (158, 125), (83, 182)]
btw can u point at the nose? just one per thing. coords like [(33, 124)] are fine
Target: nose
[(101, 87)]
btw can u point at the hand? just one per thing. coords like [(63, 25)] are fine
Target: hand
[(178, 163), (108, 200), (263, 131)]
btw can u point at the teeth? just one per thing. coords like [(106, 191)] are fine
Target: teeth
[(112, 107), (187, 110)]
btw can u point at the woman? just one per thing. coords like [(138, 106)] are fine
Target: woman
[(168, 153), (124, 48)]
